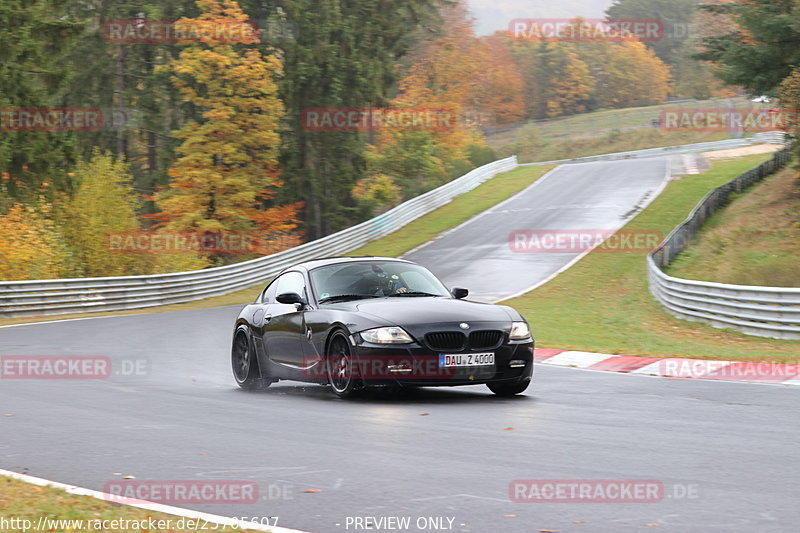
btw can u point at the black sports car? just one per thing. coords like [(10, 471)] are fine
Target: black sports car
[(373, 321)]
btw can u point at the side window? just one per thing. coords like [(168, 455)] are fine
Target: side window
[(291, 282), (268, 296)]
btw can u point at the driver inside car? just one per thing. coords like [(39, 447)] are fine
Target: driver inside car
[(380, 284)]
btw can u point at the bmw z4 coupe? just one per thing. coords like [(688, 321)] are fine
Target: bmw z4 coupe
[(356, 322)]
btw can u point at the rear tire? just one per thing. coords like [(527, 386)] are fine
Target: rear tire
[(508, 389), (245, 363), (342, 373)]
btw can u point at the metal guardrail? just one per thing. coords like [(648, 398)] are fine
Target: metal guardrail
[(85, 295), (761, 311), (769, 137), (651, 152)]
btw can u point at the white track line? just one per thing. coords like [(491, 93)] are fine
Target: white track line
[(149, 506), (68, 320)]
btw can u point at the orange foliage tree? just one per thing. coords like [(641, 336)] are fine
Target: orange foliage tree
[(631, 74), (30, 245), (464, 71), (226, 177)]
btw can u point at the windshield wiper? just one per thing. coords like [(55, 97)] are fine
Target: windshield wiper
[(343, 297), (415, 293)]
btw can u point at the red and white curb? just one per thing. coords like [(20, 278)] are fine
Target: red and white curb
[(674, 367), (210, 519)]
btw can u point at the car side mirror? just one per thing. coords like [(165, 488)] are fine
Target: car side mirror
[(291, 298), (459, 293)]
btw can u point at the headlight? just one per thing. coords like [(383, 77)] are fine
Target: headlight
[(389, 335), (519, 331)]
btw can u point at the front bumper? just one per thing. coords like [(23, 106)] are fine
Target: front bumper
[(417, 365)]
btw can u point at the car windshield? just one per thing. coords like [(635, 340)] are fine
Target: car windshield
[(365, 279)]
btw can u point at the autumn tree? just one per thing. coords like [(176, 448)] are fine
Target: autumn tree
[(526, 57), (474, 79), (630, 75), (498, 86), (31, 246), (567, 82), (103, 204), (377, 193), (459, 69), (226, 176), (789, 91)]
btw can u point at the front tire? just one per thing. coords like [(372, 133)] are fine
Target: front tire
[(245, 363), (508, 389), (341, 371)]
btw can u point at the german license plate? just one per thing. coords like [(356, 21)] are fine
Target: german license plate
[(447, 360)]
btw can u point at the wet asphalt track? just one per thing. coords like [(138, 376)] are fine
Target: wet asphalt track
[(585, 196), (735, 444)]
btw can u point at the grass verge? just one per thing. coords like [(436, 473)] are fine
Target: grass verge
[(20, 501), (755, 240), (603, 304), (603, 131)]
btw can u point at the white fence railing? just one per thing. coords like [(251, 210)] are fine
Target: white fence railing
[(762, 311), (84, 295), (769, 137)]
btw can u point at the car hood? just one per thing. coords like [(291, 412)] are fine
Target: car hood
[(408, 311)]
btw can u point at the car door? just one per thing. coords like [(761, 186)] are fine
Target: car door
[(285, 328)]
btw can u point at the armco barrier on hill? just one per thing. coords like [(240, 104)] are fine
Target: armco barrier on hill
[(761, 311)]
